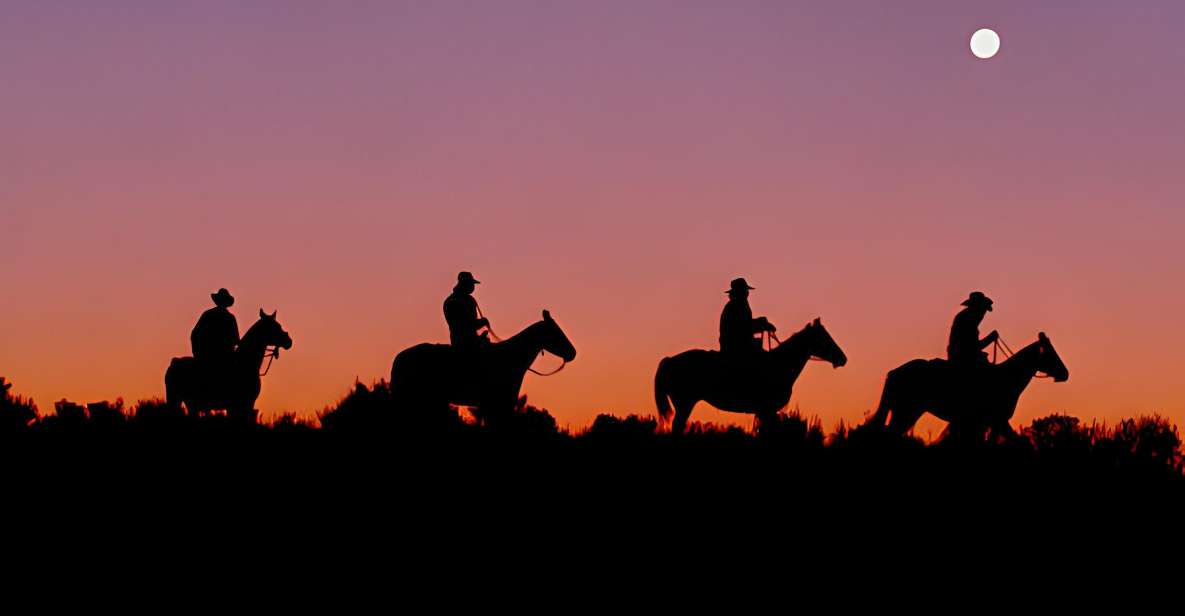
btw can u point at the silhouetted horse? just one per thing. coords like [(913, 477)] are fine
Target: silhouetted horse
[(761, 387), (201, 389), (970, 404), (428, 376)]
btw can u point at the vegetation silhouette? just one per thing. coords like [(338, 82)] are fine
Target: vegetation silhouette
[(432, 468), (759, 384), (362, 423)]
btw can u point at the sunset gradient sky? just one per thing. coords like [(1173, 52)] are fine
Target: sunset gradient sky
[(615, 162)]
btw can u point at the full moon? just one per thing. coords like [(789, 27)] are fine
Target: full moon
[(985, 43)]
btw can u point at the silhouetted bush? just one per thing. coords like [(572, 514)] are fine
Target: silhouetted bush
[(1152, 440), (369, 438), (372, 412), (290, 422), (632, 430), (67, 415), (791, 430), (106, 415), (1062, 434), (16, 413), (155, 414), (527, 422)]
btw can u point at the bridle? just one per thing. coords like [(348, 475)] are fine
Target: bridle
[(270, 353), (1000, 346), (772, 342)]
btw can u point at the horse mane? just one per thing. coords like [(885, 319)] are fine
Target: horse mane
[(524, 331), (797, 336), (1025, 352), (252, 332)]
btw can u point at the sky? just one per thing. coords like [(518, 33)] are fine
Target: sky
[(615, 162)]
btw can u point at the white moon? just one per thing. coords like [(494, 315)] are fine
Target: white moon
[(985, 43)]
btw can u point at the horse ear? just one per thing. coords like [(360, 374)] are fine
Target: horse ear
[(546, 315), (274, 313), (262, 314), (817, 321)]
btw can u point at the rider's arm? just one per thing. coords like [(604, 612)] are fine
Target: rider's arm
[(988, 340)]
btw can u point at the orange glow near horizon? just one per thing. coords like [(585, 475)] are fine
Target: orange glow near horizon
[(611, 163)]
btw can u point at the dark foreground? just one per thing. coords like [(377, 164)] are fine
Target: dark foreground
[(364, 449), (368, 488)]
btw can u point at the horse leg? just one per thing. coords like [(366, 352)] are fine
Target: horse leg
[(881, 416), (682, 413), (905, 416)]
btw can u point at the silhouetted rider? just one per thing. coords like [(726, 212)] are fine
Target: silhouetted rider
[(965, 345), (216, 334), (461, 313), (737, 325)]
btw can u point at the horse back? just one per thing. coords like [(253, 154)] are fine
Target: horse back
[(919, 367), (424, 356)]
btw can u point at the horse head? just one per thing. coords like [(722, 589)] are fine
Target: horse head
[(267, 331), (555, 341), (820, 344), (1049, 362)]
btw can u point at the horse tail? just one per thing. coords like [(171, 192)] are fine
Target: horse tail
[(172, 395), (662, 390)]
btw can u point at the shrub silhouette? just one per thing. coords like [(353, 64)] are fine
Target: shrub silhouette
[(372, 411), (156, 414), (438, 445), (791, 430), (1149, 443), (631, 430), (16, 413), (1061, 434)]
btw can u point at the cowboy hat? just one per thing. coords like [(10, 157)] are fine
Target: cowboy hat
[(223, 298), (739, 286), (978, 299)]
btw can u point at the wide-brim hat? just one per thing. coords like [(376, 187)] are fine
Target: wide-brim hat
[(467, 277), (739, 285), (223, 298), (978, 299)]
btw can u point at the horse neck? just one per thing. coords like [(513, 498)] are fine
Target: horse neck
[(793, 353), (525, 345), (1022, 366), (251, 349)]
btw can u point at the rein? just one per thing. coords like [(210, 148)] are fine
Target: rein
[(489, 328), (556, 371), (772, 338), (1000, 345), (498, 338), (271, 353)]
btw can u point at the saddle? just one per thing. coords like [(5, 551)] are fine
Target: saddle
[(967, 382), (216, 375), (745, 369), (467, 367)]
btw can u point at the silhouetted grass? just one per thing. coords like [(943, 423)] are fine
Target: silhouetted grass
[(364, 439)]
